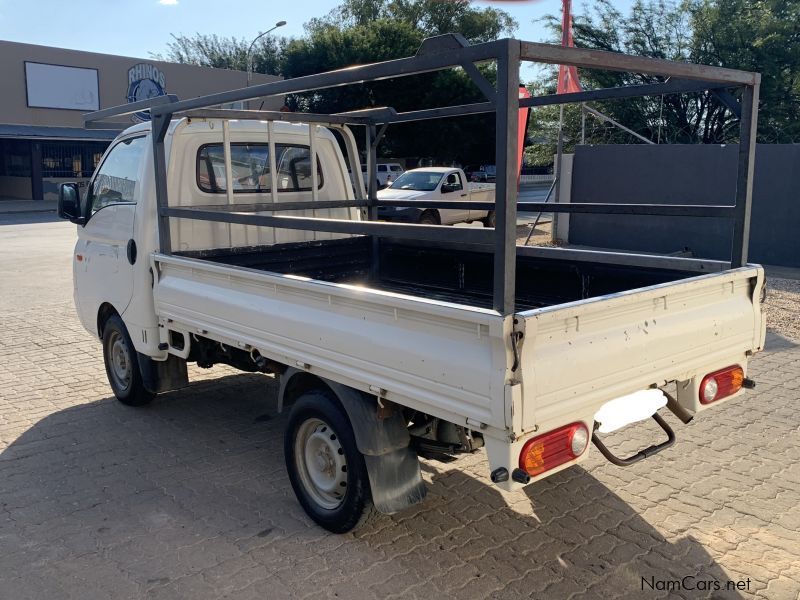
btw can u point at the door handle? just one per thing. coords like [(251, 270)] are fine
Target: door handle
[(463, 195), (130, 250)]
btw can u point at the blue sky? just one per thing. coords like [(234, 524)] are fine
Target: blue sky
[(139, 27)]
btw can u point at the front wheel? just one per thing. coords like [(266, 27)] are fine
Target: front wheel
[(326, 469), (489, 220), (122, 364)]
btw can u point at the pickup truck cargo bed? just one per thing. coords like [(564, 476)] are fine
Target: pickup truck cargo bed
[(447, 273)]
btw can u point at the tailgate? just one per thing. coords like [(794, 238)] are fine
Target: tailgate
[(577, 356)]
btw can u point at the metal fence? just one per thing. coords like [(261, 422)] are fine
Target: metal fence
[(69, 159), (502, 99)]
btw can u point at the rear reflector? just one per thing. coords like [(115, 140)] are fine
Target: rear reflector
[(721, 384), (552, 449)]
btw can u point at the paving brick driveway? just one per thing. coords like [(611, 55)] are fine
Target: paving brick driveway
[(188, 498)]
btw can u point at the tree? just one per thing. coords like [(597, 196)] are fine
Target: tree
[(363, 31), (431, 17), (762, 36), (210, 50), (656, 29), (754, 35), (329, 48)]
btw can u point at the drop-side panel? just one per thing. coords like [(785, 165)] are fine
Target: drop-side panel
[(577, 356), (447, 360)]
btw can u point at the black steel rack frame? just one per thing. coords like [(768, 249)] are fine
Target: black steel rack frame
[(435, 54)]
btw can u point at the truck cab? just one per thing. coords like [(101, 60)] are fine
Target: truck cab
[(118, 213)]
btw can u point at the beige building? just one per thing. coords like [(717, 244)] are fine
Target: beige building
[(47, 90)]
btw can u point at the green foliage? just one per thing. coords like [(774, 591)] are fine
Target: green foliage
[(754, 35), (430, 17), (365, 31), (656, 29), (757, 35), (210, 50), (325, 48)]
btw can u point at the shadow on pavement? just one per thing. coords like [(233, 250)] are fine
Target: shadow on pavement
[(775, 342), (189, 498), (26, 218)]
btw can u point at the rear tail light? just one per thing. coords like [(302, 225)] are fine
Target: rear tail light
[(552, 449), (721, 384)]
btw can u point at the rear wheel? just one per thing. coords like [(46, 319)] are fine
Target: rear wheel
[(428, 218), (122, 364), (326, 469), (489, 220)]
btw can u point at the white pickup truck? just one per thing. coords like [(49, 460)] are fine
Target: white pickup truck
[(222, 236), (436, 183)]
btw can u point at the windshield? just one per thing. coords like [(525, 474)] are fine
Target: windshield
[(421, 181)]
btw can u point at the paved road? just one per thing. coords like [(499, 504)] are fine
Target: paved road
[(534, 193), (188, 498), (35, 260)]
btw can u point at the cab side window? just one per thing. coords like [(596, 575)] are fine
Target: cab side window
[(115, 182), (454, 182)]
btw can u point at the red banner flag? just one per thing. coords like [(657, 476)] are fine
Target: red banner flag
[(524, 113), (567, 74)]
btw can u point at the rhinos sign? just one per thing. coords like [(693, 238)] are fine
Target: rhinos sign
[(145, 81)]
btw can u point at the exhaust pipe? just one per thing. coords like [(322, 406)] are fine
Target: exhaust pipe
[(684, 415)]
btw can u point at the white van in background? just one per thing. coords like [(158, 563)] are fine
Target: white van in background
[(387, 173)]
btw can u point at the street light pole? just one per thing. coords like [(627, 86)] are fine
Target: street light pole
[(250, 50)]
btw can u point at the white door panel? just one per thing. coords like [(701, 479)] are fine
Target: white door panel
[(459, 194), (107, 275), (103, 271)]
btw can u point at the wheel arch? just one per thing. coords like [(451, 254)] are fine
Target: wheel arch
[(432, 211), (377, 432), (381, 436), (104, 313)]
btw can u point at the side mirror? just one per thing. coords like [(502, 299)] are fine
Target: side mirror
[(69, 204), (447, 188)]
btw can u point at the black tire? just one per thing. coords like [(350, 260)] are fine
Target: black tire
[(122, 364), (322, 416), (428, 218), (489, 220)]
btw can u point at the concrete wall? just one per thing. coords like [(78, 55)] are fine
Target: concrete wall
[(15, 188), (187, 81), (687, 174)]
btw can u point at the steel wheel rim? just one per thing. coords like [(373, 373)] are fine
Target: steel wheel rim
[(119, 361), (321, 463)]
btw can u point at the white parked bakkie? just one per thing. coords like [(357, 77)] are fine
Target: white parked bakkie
[(226, 236), (437, 183), (408, 360)]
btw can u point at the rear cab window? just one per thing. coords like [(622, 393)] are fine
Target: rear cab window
[(250, 170)]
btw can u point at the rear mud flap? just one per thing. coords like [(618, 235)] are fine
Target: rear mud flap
[(395, 479), (382, 437), (163, 375)]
